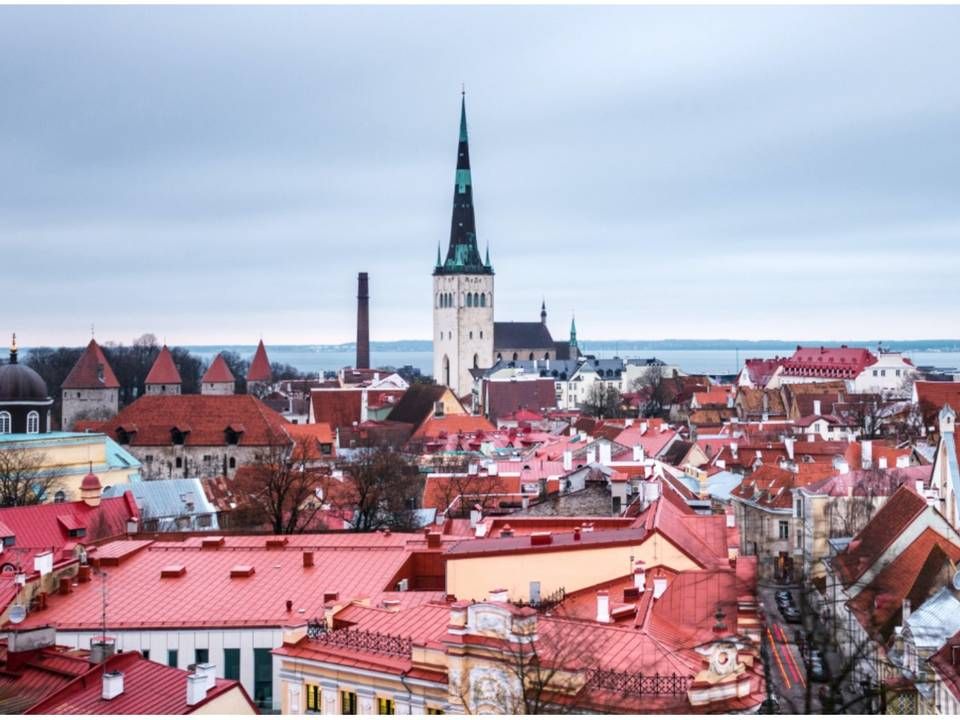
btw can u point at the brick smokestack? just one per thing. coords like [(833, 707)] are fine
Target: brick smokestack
[(363, 322)]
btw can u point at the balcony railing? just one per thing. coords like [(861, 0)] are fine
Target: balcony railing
[(630, 683)]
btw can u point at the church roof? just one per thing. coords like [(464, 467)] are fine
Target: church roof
[(521, 335), (463, 255), (218, 372), (260, 366), (164, 370), (91, 371)]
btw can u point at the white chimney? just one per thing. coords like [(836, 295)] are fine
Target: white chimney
[(733, 449), (903, 461), (628, 422), (498, 595), (567, 460), (640, 576), (209, 671), (638, 453), (43, 562), (364, 411), (843, 467), (605, 453), (492, 468), (918, 484), (196, 689), (816, 407), (659, 587), (866, 453), (731, 520), (882, 462), (591, 456), (643, 427), (905, 611), (603, 606), (475, 515), (651, 490), (788, 444), (112, 685)]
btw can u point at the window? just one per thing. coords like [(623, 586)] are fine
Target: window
[(5, 423), (179, 462), (784, 530), (874, 373), (483, 300), (434, 711), (385, 706), (262, 677), (148, 458), (146, 654), (471, 334), (231, 663), (172, 658), (207, 458), (883, 373), (201, 655), (233, 463), (313, 698), (348, 702), (33, 422), (60, 496)]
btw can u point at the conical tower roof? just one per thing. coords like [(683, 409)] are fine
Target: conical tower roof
[(259, 370), (92, 371), (218, 372), (164, 370)]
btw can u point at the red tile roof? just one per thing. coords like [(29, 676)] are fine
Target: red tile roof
[(204, 419), (340, 407), (451, 425), (760, 371), (164, 370), (218, 372), (353, 565), (841, 362), (149, 688), (90, 368), (259, 370), (896, 515), (914, 574), (47, 526), (947, 667), (48, 669)]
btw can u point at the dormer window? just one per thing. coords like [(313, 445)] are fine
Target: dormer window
[(177, 436)]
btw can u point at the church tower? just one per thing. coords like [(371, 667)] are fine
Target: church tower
[(462, 288)]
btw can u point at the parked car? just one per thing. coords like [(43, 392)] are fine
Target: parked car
[(790, 614)]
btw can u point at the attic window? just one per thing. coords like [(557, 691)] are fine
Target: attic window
[(438, 409), (177, 436)]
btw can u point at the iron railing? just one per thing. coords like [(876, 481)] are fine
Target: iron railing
[(367, 641), (631, 683), (545, 603)]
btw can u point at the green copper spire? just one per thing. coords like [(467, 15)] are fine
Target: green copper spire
[(463, 255), (573, 332)]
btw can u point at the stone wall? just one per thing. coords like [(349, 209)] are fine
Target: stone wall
[(94, 404)]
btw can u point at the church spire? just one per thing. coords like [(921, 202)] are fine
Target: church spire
[(543, 311), (573, 335), (463, 255)]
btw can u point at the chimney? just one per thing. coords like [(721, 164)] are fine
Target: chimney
[(643, 427), (882, 462), (476, 513), (363, 322), (567, 460), (433, 540), (659, 587), (591, 456), (196, 689), (638, 454), (605, 453), (364, 406), (640, 576), (506, 531), (498, 595), (816, 407), (866, 453), (788, 444), (905, 611), (603, 606), (112, 685), (101, 648), (209, 673), (308, 558), (733, 449)]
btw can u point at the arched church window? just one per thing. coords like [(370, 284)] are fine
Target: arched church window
[(33, 422), (476, 360), (469, 300), (546, 356), (5, 423), (471, 334), (483, 300), (476, 299), (499, 357), (60, 496), (446, 370), (515, 357), (530, 358)]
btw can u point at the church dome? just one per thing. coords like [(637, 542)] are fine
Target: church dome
[(21, 383)]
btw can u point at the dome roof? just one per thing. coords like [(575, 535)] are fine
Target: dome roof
[(21, 383), (90, 481)]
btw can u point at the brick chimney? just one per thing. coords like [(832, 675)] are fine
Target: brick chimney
[(363, 322)]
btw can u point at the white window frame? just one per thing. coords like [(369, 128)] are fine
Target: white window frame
[(6, 423), (33, 422)]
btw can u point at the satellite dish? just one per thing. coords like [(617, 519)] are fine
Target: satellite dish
[(18, 613), (956, 580)]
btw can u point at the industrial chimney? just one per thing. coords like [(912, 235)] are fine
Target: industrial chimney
[(363, 322)]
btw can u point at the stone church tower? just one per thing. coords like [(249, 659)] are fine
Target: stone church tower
[(462, 289)]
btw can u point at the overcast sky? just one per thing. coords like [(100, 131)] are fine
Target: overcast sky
[(211, 174)]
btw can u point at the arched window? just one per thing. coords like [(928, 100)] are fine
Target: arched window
[(5, 423), (33, 422), (476, 360), (471, 334), (233, 463), (446, 371), (483, 300), (531, 357), (60, 496), (515, 357), (476, 299), (469, 300), (546, 356), (499, 357)]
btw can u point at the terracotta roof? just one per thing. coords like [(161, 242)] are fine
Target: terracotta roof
[(946, 666), (896, 515), (702, 538), (341, 407), (91, 371), (841, 362), (452, 425), (654, 439), (48, 526), (206, 595), (915, 574), (149, 688), (417, 404), (870, 483), (259, 370), (218, 372), (203, 419), (164, 370), (932, 396), (715, 396), (760, 371)]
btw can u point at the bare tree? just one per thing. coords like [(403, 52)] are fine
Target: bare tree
[(457, 482), (381, 490), (23, 478), (652, 391), (602, 401)]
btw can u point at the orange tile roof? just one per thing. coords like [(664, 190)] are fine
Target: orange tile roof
[(452, 425), (164, 370), (86, 374), (259, 370), (218, 372)]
